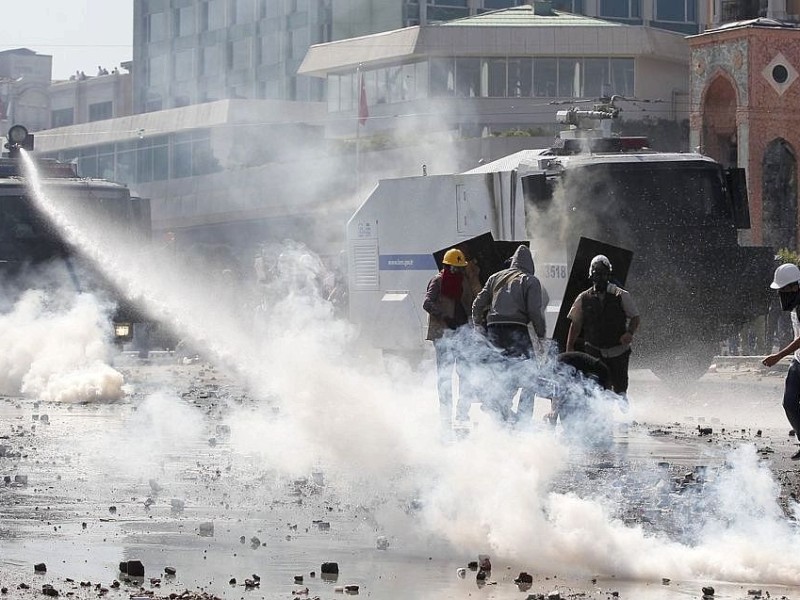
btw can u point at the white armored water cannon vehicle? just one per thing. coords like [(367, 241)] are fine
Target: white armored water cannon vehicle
[(677, 212)]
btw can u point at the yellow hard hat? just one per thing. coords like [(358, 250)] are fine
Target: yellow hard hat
[(455, 258)]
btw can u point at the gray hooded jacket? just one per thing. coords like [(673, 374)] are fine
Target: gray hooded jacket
[(512, 296)]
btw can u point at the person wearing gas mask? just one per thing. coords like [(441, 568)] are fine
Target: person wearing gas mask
[(787, 282), (448, 302), (604, 319)]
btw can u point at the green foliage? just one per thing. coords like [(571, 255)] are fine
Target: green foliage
[(789, 256)]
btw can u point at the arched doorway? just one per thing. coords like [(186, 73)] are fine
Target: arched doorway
[(779, 195), (719, 122)]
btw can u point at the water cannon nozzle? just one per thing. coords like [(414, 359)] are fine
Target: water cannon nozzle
[(18, 139)]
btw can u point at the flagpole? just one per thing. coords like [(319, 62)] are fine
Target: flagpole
[(358, 130)]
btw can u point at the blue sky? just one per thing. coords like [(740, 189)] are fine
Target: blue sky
[(78, 34)]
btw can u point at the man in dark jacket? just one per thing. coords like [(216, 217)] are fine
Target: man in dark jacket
[(606, 318), (448, 301), (509, 300)]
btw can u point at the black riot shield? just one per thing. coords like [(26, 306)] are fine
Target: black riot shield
[(489, 254), (579, 278)]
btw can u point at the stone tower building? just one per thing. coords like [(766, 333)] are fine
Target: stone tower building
[(745, 111)]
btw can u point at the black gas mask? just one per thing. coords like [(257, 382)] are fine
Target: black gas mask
[(790, 296), (599, 277)]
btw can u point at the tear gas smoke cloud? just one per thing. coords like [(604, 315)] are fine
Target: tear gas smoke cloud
[(55, 347), (378, 436)]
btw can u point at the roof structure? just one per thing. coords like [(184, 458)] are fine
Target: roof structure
[(528, 16), (194, 116), (516, 31)]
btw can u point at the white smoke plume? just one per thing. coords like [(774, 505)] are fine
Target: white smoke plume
[(55, 349)]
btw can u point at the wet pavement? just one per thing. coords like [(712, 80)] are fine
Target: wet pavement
[(158, 478)]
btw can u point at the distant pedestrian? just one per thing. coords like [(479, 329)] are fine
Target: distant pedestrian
[(509, 300), (605, 317), (448, 301), (787, 282)]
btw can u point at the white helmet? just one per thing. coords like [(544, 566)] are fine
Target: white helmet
[(600, 259), (786, 274)]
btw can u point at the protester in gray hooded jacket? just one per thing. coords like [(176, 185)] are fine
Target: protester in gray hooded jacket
[(509, 300)]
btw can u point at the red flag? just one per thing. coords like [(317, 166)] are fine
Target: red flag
[(363, 111)]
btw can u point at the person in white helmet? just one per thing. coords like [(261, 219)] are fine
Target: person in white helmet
[(787, 282), (605, 317)]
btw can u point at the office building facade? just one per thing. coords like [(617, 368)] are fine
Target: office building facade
[(194, 51)]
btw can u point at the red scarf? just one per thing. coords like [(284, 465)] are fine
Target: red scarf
[(452, 284)]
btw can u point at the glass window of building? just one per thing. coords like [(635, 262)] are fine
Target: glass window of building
[(87, 164), (152, 159), (421, 79), (184, 65), (333, 93), (679, 11), (157, 69), (244, 11), (126, 162), (520, 78), (442, 77), (299, 44), (570, 6), (447, 10), (346, 86), (370, 79), (100, 111), (410, 13), (212, 61), (495, 4), (622, 82), (157, 27), (216, 14), (468, 77), (62, 117), (394, 81), (181, 162), (184, 18), (381, 87), (153, 102), (495, 69), (596, 78), (105, 162), (408, 82), (621, 9), (239, 54), (569, 77), (269, 9), (270, 49), (545, 77)]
